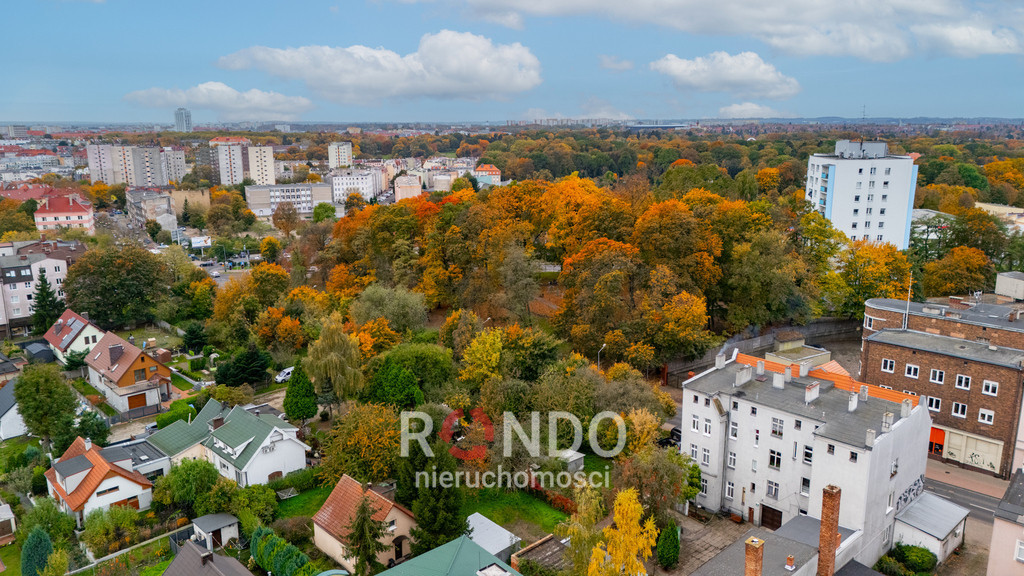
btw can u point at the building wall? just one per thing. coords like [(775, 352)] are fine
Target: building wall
[(84, 342), (941, 548), (147, 166), (101, 162), (261, 165), (229, 158), (126, 489), (1003, 549), (119, 403), (11, 424), (173, 162), (195, 452), (1006, 404), (287, 455), (198, 198), (17, 308), (876, 319), (339, 154), (336, 550)]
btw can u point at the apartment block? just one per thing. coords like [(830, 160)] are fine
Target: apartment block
[(143, 204), (264, 200), (261, 165), (65, 211), (339, 154), (21, 264)]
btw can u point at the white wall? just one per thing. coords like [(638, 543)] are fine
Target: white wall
[(287, 456), (11, 424), (941, 548), (126, 489)]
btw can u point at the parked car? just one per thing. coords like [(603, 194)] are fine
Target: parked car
[(215, 274), (284, 375), (674, 438)]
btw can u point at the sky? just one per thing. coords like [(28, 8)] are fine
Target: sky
[(496, 60)]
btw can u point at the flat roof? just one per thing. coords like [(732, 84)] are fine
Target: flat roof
[(990, 315), (212, 522), (489, 535), (807, 530), (933, 515), (949, 346), (731, 560), (140, 452), (1011, 507)]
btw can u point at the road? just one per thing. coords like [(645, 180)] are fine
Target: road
[(982, 506)]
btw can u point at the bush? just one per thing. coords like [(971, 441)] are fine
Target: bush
[(668, 546), (179, 410), (915, 558), (891, 567), (39, 482), (295, 529), (207, 350), (528, 567), (324, 415), (301, 480), (196, 364)]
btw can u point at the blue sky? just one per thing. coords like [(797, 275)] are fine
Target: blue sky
[(471, 60)]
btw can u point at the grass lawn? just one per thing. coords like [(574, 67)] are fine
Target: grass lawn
[(180, 383), (305, 503), (507, 508), (107, 409), (594, 463), (11, 556), (15, 446), (163, 339), (84, 387), (157, 569)]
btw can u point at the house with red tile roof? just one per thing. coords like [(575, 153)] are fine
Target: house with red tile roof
[(487, 174), (128, 377), (65, 211), (331, 522), (87, 478), (72, 332)]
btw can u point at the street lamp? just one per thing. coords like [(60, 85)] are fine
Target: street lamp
[(486, 321), (603, 346)]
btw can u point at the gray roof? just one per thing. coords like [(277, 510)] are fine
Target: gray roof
[(955, 347), (140, 452), (212, 522), (933, 515), (242, 427), (1011, 507), (490, 536), (807, 530), (76, 327), (991, 315), (7, 397), (189, 562), (6, 512), (730, 562), (854, 568), (73, 466), (829, 411), (20, 260), (1013, 274)]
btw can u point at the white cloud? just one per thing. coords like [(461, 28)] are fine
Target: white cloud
[(749, 110), (867, 29), (744, 74), (455, 65), (614, 63), (230, 104)]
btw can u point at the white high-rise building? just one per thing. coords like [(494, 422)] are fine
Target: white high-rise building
[(230, 160), (147, 167), (124, 165), (183, 120), (865, 192), (173, 164), (101, 162), (261, 165), (363, 183), (339, 154)]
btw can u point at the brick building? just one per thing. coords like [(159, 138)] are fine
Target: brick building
[(987, 323)]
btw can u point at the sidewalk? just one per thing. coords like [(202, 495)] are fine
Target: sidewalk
[(966, 479)]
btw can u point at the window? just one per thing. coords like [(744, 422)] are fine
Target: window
[(856, 198), (777, 425), (1020, 551), (705, 457), (731, 463), (735, 405), (859, 184), (888, 365), (869, 322), (693, 451), (879, 237), (937, 376), (986, 416), (885, 197), (912, 371), (734, 429), (694, 398), (391, 525), (871, 196), (773, 489), (695, 423), (757, 437), (911, 392), (860, 170), (15, 299), (753, 465), (934, 404), (963, 382), (989, 388), (881, 212), (108, 491), (867, 224), (856, 212), (707, 401), (808, 454), (797, 424), (774, 459), (874, 170), (892, 500), (881, 224), (868, 211), (894, 467), (805, 486), (28, 284), (888, 171), (871, 184), (959, 410), (885, 184), (703, 485), (853, 457), (730, 490), (753, 410), (707, 426), (831, 448), (17, 311), (853, 225)]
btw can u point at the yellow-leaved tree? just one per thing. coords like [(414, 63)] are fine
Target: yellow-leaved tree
[(627, 542)]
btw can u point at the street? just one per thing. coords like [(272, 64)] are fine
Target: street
[(982, 506)]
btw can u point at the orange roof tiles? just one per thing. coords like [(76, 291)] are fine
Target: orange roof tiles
[(100, 471), (337, 512)]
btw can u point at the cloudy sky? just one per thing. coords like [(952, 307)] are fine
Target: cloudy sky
[(454, 60)]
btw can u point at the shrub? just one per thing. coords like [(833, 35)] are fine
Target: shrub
[(301, 480), (207, 350), (177, 412), (39, 482), (891, 567), (915, 558), (295, 529), (196, 364), (668, 546), (324, 415), (528, 567)]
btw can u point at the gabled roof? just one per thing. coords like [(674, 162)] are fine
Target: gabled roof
[(489, 535), (113, 367), (460, 557), (192, 560), (77, 459), (63, 205), (339, 508), (244, 433), (180, 435), (65, 330)]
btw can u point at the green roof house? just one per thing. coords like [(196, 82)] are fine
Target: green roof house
[(460, 557)]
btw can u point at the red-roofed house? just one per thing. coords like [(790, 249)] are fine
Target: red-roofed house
[(228, 140), (330, 524), (27, 192), (65, 211), (128, 377), (87, 478), (487, 174), (71, 333)]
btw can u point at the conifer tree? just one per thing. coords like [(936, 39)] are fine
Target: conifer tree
[(46, 306)]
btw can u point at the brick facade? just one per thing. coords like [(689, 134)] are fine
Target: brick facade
[(952, 322)]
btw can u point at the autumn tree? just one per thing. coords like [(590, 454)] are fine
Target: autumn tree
[(961, 271), (44, 400), (333, 361), (663, 478), (269, 282), (627, 542), (459, 329), (286, 218), (868, 270), (363, 444), (270, 249), (767, 282), (116, 285), (404, 310), (581, 528)]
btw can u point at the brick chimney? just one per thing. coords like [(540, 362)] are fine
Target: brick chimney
[(828, 540), (115, 352), (755, 557)]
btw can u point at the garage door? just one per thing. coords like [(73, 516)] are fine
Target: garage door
[(771, 518), (137, 401)]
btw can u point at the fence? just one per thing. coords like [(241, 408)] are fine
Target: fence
[(166, 327), (134, 414), (816, 332), (178, 539)]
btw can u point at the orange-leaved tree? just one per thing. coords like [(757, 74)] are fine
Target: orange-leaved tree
[(627, 543)]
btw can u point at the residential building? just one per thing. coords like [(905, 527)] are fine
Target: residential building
[(173, 163), (549, 552), (65, 211), (494, 539), (1010, 284), (147, 167), (261, 165), (87, 478), (10, 368), (229, 141), (8, 525), (768, 436), (253, 448), (143, 204), (124, 165), (264, 200), (407, 187), (362, 182), (487, 175), (229, 159), (129, 378), (146, 459), (1006, 550), (460, 557), (330, 524), (11, 423), (182, 120), (339, 154), (194, 560), (207, 156), (986, 323), (21, 263), (182, 440), (101, 163), (867, 193), (72, 332), (973, 389)]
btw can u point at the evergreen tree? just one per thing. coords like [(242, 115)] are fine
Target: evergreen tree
[(395, 385), (195, 337), (35, 552), (248, 367), (437, 508), (91, 426), (668, 546), (186, 212), (46, 306), (364, 538), (300, 398)]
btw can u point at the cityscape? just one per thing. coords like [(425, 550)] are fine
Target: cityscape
[(465, 288)]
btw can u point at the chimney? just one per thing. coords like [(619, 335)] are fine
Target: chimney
[(760, 367), (84, 315), (58, 326), (804, 369), (887, 419), (743, 376), (828, 539), (790, 563), (811, 392), (755, 557), (115, 352), (869, 437), (787, 375), (852, 404), (864, 392), (778, 381), (88, 444), (206, 557), (217, 422), (905, 407), (720, 361)]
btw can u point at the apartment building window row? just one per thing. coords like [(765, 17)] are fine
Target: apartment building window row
[(777, 427), (959, 410), (937, 376)]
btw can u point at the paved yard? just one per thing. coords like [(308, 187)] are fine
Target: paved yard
[(700, 543), (973, 558)]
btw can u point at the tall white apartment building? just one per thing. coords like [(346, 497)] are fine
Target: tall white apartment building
[(865, 192), (363, 182), (124, 165), (147, 167), (768, 437), (101, 162), (21, 264), (261, 165), (229, 157), (174, 164), (339, 154), (182, 120)]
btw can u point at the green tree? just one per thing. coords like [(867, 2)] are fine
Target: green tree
[(35, 552), (324, 211), (47, 516), (663, 478), (438, 509), (431, 364), (46, 307), (183, 485), (44, 400), (56, 564), (333, 361), (363, 538), (91, 426), (668, 546), (195, 337), (152, 228), (116, 285), (248, 367), (393, 384), (404, 310), (300, 398), (73, 360)]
